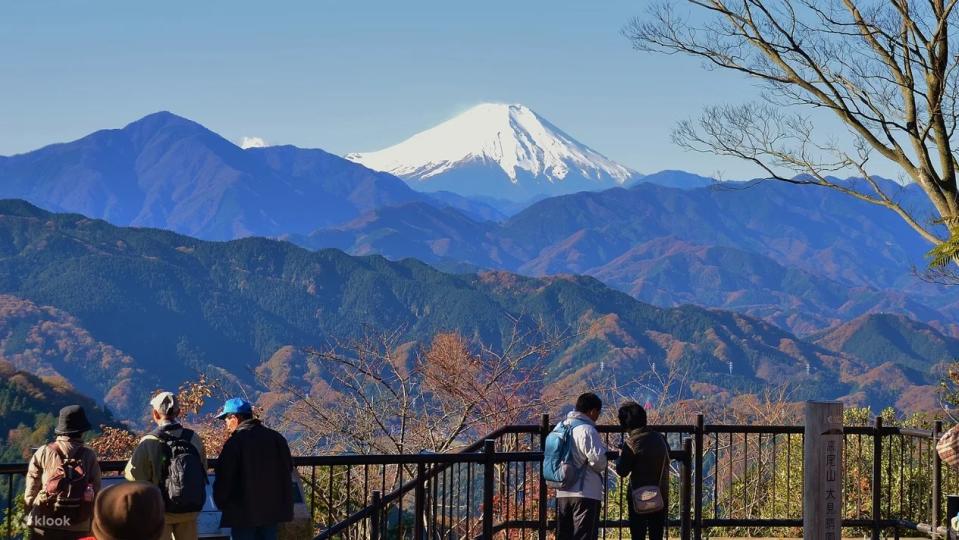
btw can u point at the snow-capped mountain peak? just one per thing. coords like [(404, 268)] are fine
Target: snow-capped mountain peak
[(523, 145)]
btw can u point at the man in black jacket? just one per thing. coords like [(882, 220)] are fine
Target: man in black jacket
[(254, 483)]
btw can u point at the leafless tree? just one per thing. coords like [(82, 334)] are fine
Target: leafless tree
[(885, 69), (389, 396)]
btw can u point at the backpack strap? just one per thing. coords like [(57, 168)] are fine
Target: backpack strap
[(57, 450), (573, 424), (75, 454)]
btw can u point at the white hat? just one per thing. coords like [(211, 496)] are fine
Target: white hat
[(164, 403)]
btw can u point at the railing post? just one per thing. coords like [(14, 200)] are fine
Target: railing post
[(698, 471), (685, 491), (313, 496), (11, 505), (543, 502), (877, 478), (489, 446), (936, 480), (377, 504), (419, 531)]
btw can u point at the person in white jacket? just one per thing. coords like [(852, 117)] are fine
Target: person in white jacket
[(577, 512)]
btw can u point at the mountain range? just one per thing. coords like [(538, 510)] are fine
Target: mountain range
[(169, 306), (803, 276), (169, 172), (804, 258)]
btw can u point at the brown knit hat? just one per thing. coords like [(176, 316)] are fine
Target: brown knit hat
[(128, 511)]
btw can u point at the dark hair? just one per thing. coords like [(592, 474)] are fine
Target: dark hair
[(242, 417), (632, 415), (588, 402)]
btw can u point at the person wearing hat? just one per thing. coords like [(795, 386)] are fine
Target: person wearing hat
[(129, 511), (149, 458), (253, 487), (71, 426)]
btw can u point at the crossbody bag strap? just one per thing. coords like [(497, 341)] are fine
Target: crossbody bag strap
[(665, 460)]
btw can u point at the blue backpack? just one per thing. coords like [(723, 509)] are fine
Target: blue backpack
[(559, 466)]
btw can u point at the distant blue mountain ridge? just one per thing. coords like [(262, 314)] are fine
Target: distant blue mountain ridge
[(168, 172), (803, 257)]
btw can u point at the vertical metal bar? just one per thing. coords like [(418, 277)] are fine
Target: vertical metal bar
[(745, 477), (716, 475), (469, 496), (329, 496), (454, 496), (759, 474), (876, 477), (890, 484), (399, 485), (729, 497), (936, 478), (859, 471), (844, 503), (488, 486), (433, 531), (605, 480), (525, 492), (445, 524), (313, 494), (450, 489), (459, 495), (9, 515), (366, 489), (377, 504), (698, 483), (789, 468), (623, 488), (543, 506), (349, 488), (419, 504), (775, 464), (902, 475), (685, 490), (506, 494)]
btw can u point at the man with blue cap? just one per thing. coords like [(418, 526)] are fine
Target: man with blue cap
[(253, 487)]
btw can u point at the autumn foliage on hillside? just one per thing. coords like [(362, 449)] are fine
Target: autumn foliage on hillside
[(28, 409), (52, 343), (385, 395)]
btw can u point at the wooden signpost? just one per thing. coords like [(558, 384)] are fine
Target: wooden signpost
[(822, 471)]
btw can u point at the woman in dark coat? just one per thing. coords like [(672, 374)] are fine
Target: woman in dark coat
[(644, 458)]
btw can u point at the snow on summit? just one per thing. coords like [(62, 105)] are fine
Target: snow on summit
[(497, 150)]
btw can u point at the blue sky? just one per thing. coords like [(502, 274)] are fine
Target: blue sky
[(349, 76)]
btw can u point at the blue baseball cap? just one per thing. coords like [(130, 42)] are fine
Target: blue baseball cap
[(236, 406)]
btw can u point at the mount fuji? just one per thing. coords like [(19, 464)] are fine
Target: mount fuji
[(498, 150)]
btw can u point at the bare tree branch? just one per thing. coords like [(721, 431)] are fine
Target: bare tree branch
[(887, 70)]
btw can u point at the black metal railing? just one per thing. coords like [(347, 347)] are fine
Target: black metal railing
[(477, 494), (736, 480)]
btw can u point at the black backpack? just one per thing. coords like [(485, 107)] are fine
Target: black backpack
[(184, 478)]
